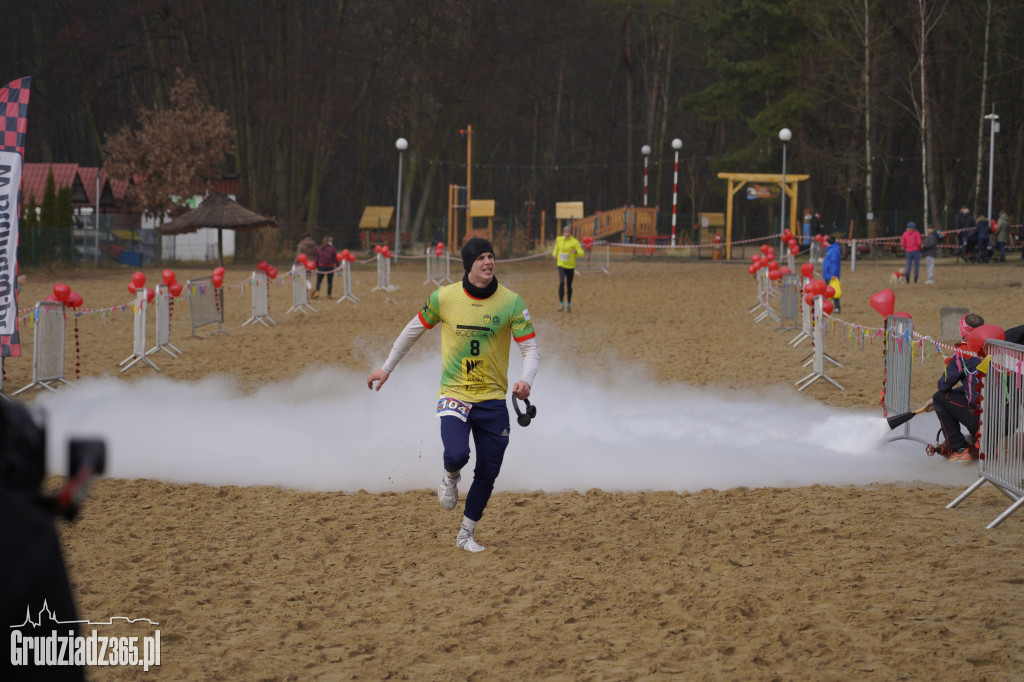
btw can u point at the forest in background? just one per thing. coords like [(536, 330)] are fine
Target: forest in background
[(885, 99)]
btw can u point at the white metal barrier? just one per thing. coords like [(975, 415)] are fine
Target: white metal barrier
[(765, 291), (602, 263), (818, 356), (162, 304), (790, 295), (1002, 426), (384, 275), (204, 303), (48, 346), (139, 340), (300, 293), (346, 280), (805, 317), (898, 350), (437, 273), (260, 299)]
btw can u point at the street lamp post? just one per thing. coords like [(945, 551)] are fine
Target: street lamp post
[(646, 151), (993, 119), (401, 144), (785, 135), (677, 144)]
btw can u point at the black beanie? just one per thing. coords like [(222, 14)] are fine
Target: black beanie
[(472, 250)]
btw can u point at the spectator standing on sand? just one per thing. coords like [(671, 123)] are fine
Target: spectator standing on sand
[(984, 227), (831, 266), (911, 242), (1002, 234), (326, 262)]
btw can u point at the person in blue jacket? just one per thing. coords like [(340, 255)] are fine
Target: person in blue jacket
[(831, 266)]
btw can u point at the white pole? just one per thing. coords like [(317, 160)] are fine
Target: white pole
[(993, 120), (401, 144), (646, 151), (785, 135), (96, 222)]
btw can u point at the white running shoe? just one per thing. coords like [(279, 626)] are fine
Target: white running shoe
[(465, 541), (448, 491)]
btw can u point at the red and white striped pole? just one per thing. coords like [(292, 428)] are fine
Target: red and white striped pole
[(677, 144), (646, 151)]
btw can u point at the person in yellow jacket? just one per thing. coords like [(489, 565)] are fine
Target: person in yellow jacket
[(566, 248)]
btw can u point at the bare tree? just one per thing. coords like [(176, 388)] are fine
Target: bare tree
[(984, 103)]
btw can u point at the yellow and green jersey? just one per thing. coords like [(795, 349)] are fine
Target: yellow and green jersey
[(475, 339), (566, 249)]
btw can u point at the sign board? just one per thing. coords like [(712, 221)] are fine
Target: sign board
[(375, 217), (712, 219), (481, 208), (568, 210)]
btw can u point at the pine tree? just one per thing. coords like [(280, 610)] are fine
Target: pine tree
[(47, 242)]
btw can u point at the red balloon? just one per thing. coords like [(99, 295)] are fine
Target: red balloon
[(344, 254), (785, 270), (377, 248), (787, 234), (339, 256), (809, 299), (977, 338), (74, 300), (440, 245), (61, 291), (764, 249), (262, 265), (903, 314), (794, 250), (52, 298), (752, 269), (272, 272), (352, 258), (175, 289), (302, 258), (830, 292), (808, 289), (772, 265), (807, 270), (219, 271), (310, 265), (827, 307), (753, 258), (818, 287), (217, 281), (439, 252), (386, 252), (150, 295), (883, 302), (169, 277), (132, 288), (774, 274), (139, 280)]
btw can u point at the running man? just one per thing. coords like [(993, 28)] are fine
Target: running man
[(566, 249), (479, 318)]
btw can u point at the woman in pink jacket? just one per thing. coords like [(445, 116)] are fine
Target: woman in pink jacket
[(911, 241)]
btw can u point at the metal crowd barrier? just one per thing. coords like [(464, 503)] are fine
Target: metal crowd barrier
[(300, 294), (818, 356), (260, 299), (48, 346), (603, 264), (898, 349), (1002, 427), (805, 316), (436, 273), (346, 280), (139, 339), (791, 293), (162, 303), (204, 304), (384, 275)]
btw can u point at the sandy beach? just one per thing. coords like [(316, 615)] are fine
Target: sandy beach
[(633, 548)]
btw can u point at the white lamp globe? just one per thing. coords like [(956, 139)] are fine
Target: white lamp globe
[(401, 144), (785, 134)]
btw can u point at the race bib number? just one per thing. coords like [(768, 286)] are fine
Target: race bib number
[(563, 256), (450, 407)]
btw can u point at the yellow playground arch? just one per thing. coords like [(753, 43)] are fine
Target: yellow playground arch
[(738, 180)]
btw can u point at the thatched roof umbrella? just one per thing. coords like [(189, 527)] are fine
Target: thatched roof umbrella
[(217, 211)]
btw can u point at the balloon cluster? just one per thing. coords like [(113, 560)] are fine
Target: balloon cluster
[(767, 260), (139, 282), (345, 255), (819, 287), (171, 280), (790, 239), (63, 294), (218, 277), (588, 242), (309, 264), (271, 271), (439, 249), (383, 250)]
